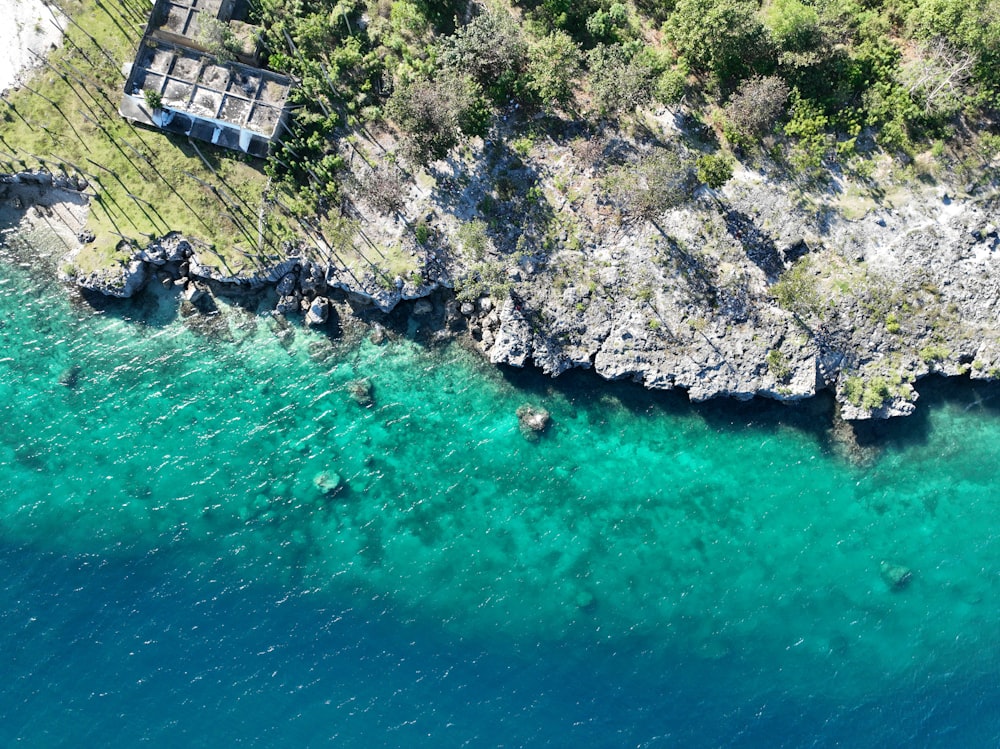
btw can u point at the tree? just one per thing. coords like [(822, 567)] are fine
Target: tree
[(723, 37), (434, 113), (969, 26), (620, 79), (939, 76), (553, 65), (756, 105), (491, 49), (793, 25)]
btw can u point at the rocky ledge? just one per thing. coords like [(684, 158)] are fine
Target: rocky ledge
[(760, 289), (748, 294), (302, 285)]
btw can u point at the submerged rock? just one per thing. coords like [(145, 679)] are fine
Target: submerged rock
[(896, 576), (360, 391), (329, 483), (532, 421), (71, 376)]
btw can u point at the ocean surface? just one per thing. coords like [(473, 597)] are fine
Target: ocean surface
[(647, 574)]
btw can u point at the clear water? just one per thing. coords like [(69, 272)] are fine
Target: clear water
[(648, 574)]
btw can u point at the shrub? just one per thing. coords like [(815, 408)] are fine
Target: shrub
[(778, 365), (422, 232), (154, 100), (652, 185), (807, 125), (876, 393), (382, 188), (934, 353), (472, 238), (715, 169), (483, 279), (796, 289), (671, 86), (216, 37), (756, 105), (854, 389)]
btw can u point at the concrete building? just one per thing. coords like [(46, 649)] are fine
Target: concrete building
[(226, 102)]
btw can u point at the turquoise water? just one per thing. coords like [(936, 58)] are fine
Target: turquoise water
[(648, 573)]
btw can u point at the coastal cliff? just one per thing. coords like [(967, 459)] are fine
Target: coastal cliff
[(758, 289), (666, 239)]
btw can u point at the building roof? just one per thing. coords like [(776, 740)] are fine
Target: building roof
[(195, 83), (227, 103)]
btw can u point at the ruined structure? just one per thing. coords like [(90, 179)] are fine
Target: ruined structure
[(182, 63)]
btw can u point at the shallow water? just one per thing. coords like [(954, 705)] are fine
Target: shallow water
[(648, 573)]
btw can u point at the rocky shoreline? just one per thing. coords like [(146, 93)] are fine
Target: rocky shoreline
[(871, 306), (879, 302)]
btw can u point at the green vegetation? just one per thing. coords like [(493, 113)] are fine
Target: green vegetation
[(715, 169), (933, 353), (473, 239), (796, 288), (483, 279), (152, 98), (145, 183), (663, 179), (806, 83), (871, 393), (777, 364), (801, 84)]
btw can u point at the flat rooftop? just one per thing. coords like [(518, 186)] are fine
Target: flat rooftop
[(195, 83)]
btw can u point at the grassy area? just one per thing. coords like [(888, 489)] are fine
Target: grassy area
[(145, 183)]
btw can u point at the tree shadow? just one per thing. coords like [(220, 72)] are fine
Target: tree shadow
[(501, 189), (759, 247)]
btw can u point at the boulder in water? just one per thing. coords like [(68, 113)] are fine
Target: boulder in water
[(319, 311), (533, 421), (896, 576), (585, 600), (361, 392)]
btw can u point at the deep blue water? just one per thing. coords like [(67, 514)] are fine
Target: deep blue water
[(647, 574), (149, 651)]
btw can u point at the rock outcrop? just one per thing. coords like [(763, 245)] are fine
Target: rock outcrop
[(755, 290), (710, 301)]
